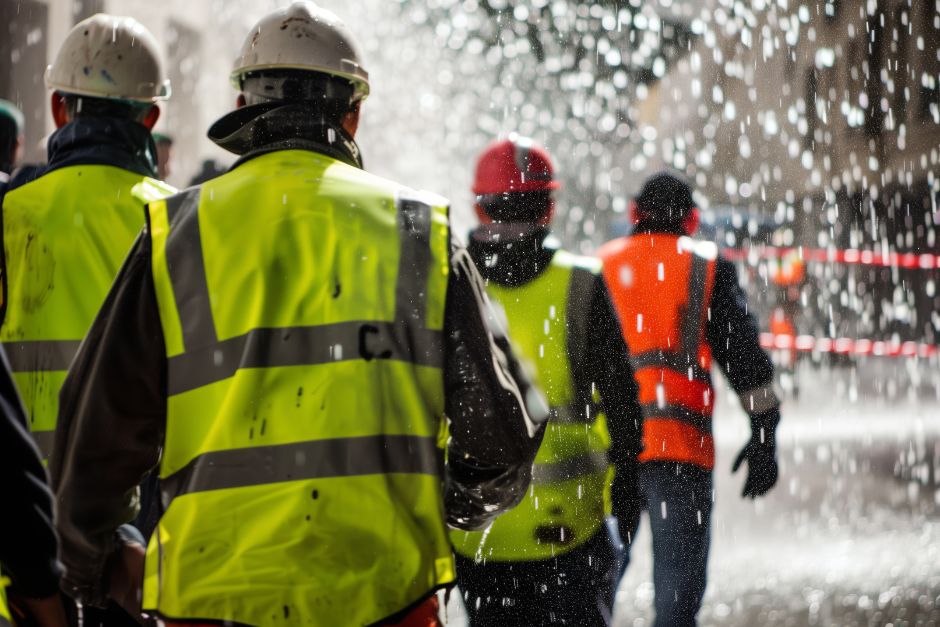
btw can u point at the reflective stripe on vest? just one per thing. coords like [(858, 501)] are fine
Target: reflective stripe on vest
[(302, 302), (564, 506), (65, 236), (661, 286)]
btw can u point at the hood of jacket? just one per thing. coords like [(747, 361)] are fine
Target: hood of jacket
[(511, 254), (258, 129)]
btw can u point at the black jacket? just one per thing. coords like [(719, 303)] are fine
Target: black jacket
[(28, 544), (519, 259), (113, 410)]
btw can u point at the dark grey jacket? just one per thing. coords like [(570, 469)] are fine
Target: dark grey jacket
[(113, 416)]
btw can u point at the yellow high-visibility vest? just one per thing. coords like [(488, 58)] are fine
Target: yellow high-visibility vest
[(65, 236), (5, 619), (302, 306), (565, 504)]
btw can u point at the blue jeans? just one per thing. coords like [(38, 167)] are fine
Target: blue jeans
[(679, 503)]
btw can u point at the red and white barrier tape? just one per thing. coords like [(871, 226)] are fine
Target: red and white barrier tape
[(847, 346), (849, 257)]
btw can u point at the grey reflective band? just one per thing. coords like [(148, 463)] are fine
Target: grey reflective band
[(702, 422), (414, 265), (303, 346), (314, 459), (759, 400), (5, 623), (590, 463), (41, 355), (44, 441), (670, 360), (187, 270), (694, 313), (577, 323)]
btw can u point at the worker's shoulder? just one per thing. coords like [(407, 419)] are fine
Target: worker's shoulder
[(366, 183), (149, 190), (612, 248), (568, 260), (700, 248), (97, 179)]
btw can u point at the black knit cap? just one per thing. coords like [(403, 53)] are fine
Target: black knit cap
[(665, 197)]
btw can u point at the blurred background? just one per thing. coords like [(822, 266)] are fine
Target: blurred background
[(811, 130)]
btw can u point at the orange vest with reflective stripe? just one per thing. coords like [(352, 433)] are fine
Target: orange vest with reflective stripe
[(661, 286)]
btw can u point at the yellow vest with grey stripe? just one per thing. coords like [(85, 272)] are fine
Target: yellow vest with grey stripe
[(302, 305), (65, 236), (5, 618), (565, 504)]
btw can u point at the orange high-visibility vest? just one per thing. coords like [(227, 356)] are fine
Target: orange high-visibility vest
[(661, 286)]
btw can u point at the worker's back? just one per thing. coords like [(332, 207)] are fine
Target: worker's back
[(302, 303), (548, 318), (65, 236), (661, 289)]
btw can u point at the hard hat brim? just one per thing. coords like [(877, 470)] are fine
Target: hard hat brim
[(164, 92)]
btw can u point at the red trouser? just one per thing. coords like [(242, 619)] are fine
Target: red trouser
[(425, 615)]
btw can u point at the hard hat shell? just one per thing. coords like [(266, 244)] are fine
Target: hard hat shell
[(303, 36), (110, 56), (515, 164)]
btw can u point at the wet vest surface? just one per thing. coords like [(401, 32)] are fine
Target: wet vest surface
[(302, 303), (661, 286), (65, 236), (565, 504)]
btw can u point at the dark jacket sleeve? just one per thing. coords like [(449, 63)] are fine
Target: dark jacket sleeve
[(111, 421), (733, 335), (608, 366), (495, 415), (28, 544)]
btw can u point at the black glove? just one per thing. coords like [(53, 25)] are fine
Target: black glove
[(628, 503), (761, 455)]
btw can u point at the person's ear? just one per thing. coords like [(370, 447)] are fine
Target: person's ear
[(691, 222), (351, 119), (60, 114), (150, 119), (240, 101), (482, 215), (634, 213)]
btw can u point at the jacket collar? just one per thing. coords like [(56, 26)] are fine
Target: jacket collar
[(103, 141), (511, 254), (271, 126)]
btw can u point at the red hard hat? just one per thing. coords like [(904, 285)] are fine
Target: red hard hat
[(514, 165)]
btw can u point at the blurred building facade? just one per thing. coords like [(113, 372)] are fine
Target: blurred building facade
[(198, 61), (823, 116)]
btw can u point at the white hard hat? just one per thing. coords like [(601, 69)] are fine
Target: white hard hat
[(303, 36), (109, 56)]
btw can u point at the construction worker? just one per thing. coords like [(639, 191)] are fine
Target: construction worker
[(28, 543), (68, 226), (680, 307), (11, 138), (551, 560), (285, 341)]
